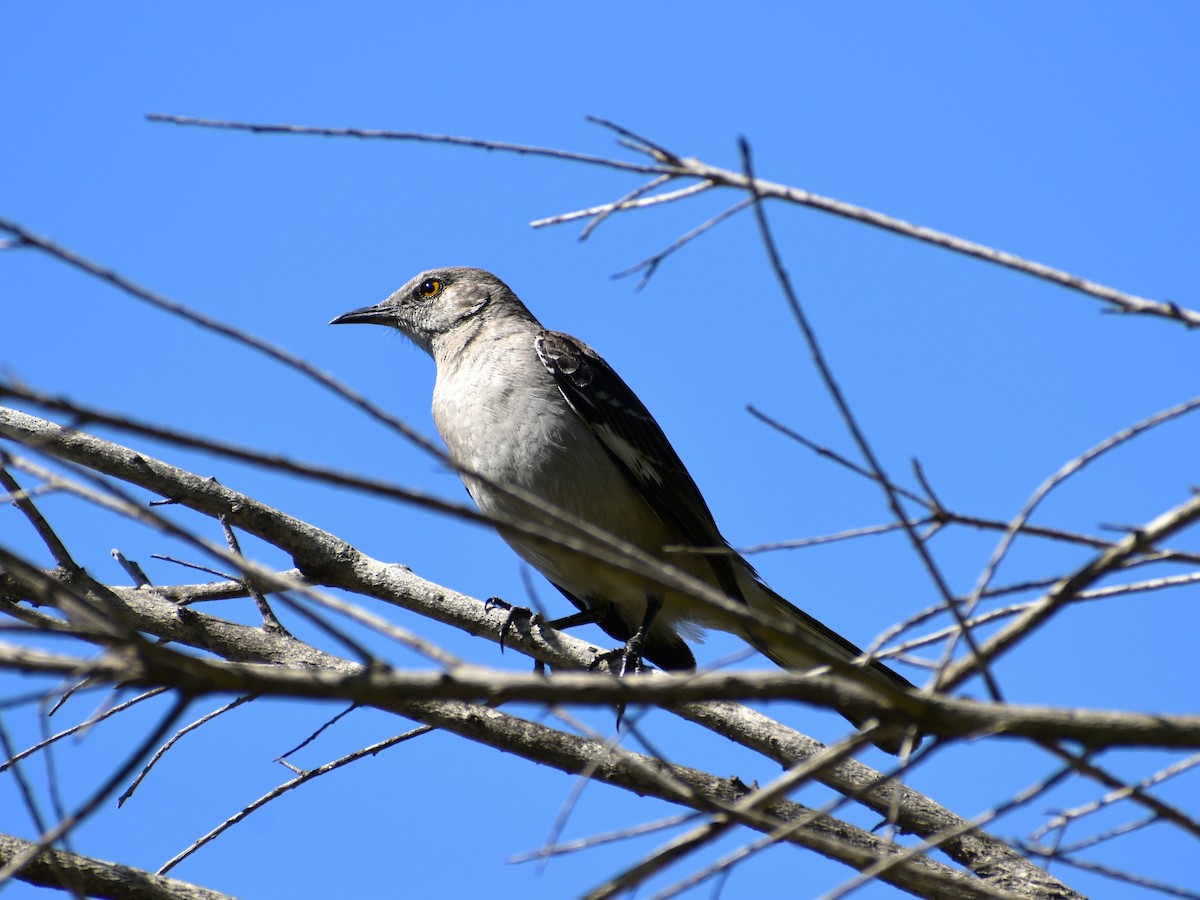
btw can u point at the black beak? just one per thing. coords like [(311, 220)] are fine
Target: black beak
[(366, 315)]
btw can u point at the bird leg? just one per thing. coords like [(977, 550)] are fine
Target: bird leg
[(513, 613), (631, 654), (586, 617)]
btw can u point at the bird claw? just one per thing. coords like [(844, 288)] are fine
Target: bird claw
[(631, 662), (513, 613), (629, 655)]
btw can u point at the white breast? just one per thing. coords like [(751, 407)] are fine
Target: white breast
[(503, 417)]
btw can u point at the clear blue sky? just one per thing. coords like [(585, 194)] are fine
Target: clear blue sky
[(1067, 133)]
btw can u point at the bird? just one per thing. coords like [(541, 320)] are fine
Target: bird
[(534, 418)]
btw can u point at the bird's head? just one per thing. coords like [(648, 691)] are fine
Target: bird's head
[(436, 303)]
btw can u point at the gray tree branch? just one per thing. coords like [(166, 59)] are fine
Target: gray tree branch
[(325, 558), (97, 878)]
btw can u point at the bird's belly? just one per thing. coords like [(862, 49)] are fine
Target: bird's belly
[(553, 465)]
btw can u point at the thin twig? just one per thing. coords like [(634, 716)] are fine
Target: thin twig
[(1067, 589), (110, 784), (282, 789), (383, 134), (329, 723), (874, 466), (270, 622), (162, 751), (1071, 468), (83, 726), (1135, 793), (622, 203), (597, 840), (132, 569), (1120, 301), (21, 500), (622, 206), (159, 301), (1121, 793), (650, 264), (1120, 875)]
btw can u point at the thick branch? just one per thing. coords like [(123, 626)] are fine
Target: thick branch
[(543, 525), (144, 610), (338, 563), (97, 878), (947, 717)]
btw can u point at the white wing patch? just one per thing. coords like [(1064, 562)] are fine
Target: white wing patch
[(637, 462)]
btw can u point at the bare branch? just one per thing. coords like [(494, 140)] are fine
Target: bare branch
[(282, 789), (650, 265), (1068, 588), (21, 500), (336, 562), (944, 716), (370, 133), (1119, 301), (622, 205), (19, 860), (187, 729), (874, 466), (312, 549), (1115, 796), (1071, 468), (70, 871)]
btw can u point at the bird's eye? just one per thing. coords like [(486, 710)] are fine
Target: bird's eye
[(430, 287)]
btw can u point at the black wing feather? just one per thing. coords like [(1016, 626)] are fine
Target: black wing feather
[(615, 414), (624, 426)]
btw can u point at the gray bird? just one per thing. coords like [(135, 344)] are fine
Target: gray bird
[(540, 412)]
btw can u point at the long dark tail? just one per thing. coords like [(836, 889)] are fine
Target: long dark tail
[(793, 655)]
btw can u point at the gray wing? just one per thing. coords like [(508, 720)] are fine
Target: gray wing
[(636, 443)]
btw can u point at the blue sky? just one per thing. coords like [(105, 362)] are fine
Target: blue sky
[(1067, 133)]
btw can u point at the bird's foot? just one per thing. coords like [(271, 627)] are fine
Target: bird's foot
[(629, 656), (512, 614)]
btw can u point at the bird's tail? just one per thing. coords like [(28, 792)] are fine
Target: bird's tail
[(824, 642)]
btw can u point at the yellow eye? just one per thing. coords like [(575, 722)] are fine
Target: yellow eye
[(430, 287)]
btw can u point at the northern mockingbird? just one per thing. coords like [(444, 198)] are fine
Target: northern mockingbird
[(541, 414)]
